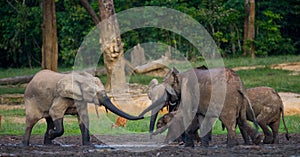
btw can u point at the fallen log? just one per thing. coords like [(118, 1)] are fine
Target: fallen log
[(16, 80), (154, 65)]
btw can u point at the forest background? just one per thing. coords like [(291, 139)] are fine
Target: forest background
[(276, 28)]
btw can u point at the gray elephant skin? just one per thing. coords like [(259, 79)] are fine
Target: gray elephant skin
[(51, 95), (196, 90), (268, 107)]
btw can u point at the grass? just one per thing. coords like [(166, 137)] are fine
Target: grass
[(10, 127), (280, 80)]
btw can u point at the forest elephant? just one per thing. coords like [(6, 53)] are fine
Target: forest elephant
[(159, 93), (268, 107), (51, 95), (205, 95)]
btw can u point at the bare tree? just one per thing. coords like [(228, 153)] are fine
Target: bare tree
[(50, 47), (249, 33), (111, 44)]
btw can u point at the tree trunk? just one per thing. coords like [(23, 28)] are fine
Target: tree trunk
[(112, 47), (50, 47), (249, 29)]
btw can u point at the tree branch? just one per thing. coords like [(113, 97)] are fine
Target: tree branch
[(90, 10)]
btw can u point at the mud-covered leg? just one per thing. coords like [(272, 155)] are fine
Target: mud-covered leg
[(244, 135), (58, 129), (50, 125), (190, 133), (205, 126), (231, 134), (83, 120), (29, 125), (254, 134), (275, 126), (268, 134), (84, 132)]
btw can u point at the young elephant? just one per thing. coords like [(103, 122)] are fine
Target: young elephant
[(165, 121), (51, 95), (267, 106)]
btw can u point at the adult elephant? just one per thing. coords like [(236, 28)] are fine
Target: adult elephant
[(163, 94), (51, 95), (207, 95)]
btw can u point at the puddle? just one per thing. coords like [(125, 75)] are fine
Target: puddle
[(130, 147)]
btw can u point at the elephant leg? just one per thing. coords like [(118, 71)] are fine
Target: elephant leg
[(245, 135), (84, 132), (268, 134), (275, 126), (190, 133), (29, 125), (50, 125), (205, 126), (83, 120), (58, 129), (254, 134), (231, 134)]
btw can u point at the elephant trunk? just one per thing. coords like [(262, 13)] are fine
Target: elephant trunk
[(152, 121), (154, 108), (105, 101)]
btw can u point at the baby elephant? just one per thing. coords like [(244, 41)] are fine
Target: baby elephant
[(165, 122), (268, 107)]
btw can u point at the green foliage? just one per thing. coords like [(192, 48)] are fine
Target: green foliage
[(269, 39), (276, 23)]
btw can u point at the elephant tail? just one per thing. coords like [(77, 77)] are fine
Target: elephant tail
[(282, 116), (251, 109)]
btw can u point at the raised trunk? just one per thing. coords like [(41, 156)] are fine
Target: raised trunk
[(112, 47), (50, 47)]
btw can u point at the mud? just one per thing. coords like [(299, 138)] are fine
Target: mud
[(70, 146)]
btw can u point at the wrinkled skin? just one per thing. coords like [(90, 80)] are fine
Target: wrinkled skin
[(201, 90), (51, 95), (267, 106)]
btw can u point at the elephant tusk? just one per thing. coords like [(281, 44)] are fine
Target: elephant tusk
[(96, 109)]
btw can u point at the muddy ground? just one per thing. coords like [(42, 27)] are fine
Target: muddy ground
[(70, 146)]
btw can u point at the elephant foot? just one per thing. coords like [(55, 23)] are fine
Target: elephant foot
[(24, 144), (48, 142), (268, 140), (87, 143), (232, 143), (189, 144), (257, 139)]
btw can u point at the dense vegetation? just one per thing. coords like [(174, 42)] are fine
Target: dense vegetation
[(277, 28)]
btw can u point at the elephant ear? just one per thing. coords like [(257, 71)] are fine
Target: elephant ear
[(68, 87), (190, 94), (89, 87)]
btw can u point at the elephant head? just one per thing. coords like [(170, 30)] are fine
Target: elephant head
[(170, 93), (161, 95), (85, 87)]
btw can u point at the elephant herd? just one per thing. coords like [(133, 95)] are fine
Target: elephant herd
[(195, 99)]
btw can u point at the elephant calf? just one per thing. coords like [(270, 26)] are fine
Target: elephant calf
[(51, 95), (267, 106)]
